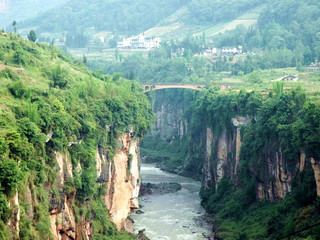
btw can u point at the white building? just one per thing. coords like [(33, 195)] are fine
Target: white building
[(152, 42), (126, 43), (231, 50), (210, 52), (139, 42)]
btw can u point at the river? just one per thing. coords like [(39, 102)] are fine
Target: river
[(170, 216)]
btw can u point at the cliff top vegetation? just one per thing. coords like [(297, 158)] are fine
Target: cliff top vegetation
[(50, 102)]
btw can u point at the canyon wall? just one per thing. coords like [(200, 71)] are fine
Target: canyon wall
[(218, 150), (120, 176), (170, 124)]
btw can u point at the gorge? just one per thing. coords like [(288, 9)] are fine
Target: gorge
[(70, 165), (247, 150)]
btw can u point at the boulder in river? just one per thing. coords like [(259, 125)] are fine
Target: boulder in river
[(160, 188)]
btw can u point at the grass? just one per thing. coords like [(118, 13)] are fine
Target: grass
[(248, 19), (161, 31), (173, 27), (310, 81)]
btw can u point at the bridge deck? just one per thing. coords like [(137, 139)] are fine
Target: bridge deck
[(147, 87)]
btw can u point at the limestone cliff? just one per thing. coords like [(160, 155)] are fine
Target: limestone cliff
[(166, 144), (170, 123), (274, 179), (218, 150), (121, 176)]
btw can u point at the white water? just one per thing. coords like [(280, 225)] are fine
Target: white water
[(170, 216)]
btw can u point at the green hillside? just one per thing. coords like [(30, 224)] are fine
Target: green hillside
[(44, 93), (82, 19), (174, 26)]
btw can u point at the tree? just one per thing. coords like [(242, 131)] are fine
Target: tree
[(32, 36), (58, 76), (116, 53), (204, 38), (278, 88), (10, 175), (85, 61), (299, 67), (14, 24)]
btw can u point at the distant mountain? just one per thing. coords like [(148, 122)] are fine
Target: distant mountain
[(18, 10), (129, 17), (123, 16)]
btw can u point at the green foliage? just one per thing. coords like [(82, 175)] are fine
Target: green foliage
[(111, 16), (278, 88), (205, 11), (58, 76), (5, 211), (1, 56), (283, 122), (160, 67), (32, 36), (306, 129), (304, 188), (69, 111), (9, 74), (279, 26), (19, 90), (19, 57), (10, 176)]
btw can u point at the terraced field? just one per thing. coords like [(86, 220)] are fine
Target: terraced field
[(172, 27)]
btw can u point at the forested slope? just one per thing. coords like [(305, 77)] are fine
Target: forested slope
[(287, 31), (120, 16), (257, 157), (127, 17), (52, 107), (257, 149)]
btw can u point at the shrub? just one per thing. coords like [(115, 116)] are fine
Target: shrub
[(58, 77), (304, 188), (10, 175), (19, 90), (5, 211), (9, 74), (19, 57)]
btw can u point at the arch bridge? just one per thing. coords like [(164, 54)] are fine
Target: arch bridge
[(147, 87)]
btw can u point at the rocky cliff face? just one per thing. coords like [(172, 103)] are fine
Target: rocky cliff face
[(121, 176), (219, 151), (316, 169), (169, 124), (274, 178)]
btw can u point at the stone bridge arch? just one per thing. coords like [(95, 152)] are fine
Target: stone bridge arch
[(148, 87)]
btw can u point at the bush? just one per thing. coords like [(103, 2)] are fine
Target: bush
[(9, 74), (304, 188), (19, 90), (58, 77), (5, 211), (19, 57), (10, 175), (3, 146)]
